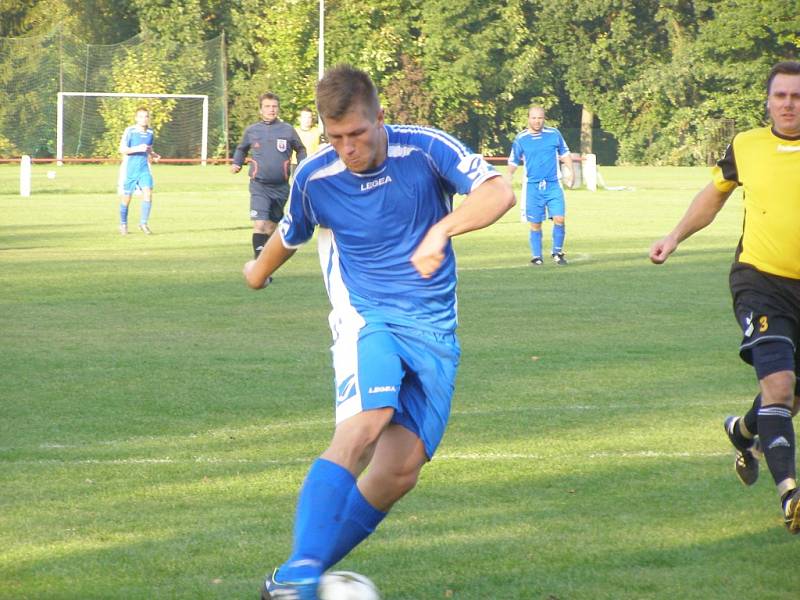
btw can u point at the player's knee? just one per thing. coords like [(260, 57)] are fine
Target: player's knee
[(355, 438), (774, 365), (558, 220), (398, 482)]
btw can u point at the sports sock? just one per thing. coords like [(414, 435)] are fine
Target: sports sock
[(318, 520), (777, 441), (751, 418), (123, 214), (559, 233), (535, 239), (259, 241), (359, 520), (145, 216)]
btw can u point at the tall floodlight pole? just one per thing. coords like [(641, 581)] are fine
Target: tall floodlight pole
[(321, 38)]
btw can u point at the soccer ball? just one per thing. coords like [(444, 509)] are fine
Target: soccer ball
[(346, 585)]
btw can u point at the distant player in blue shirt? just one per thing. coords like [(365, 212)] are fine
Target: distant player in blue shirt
[(541, 148), (136, 147), (380, 197)]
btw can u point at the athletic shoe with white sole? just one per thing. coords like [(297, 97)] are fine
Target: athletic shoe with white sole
[(745, 463), (295, 590)]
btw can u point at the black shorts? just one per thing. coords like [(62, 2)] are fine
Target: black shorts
[(767, 308), (267, 200)]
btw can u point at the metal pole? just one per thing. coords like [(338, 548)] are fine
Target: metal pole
[(60, 129), (224, 68), (321, 38), (204, 142)]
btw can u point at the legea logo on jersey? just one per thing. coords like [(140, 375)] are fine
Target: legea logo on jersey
[(380, 389), (346, 389), (368, 185), (473, 166), (784, 148)]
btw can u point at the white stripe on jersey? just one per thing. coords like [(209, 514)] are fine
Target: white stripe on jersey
[(436, 134), (330, 170), (344, 318)]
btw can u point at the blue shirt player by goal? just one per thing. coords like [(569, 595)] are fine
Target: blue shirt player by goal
[(541, 148), (381, 200), (136, 147)]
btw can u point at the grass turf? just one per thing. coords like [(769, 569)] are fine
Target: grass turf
[(158, 417)]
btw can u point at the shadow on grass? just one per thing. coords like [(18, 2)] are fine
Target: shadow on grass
[(644, 529)]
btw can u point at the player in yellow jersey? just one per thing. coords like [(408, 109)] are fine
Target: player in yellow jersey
[(309, 132), (764, 280)]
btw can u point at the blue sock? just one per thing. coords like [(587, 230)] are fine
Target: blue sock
[(359, 520), (318, 521), (559, 234), (123, 214), (145, 212), (535, 239)]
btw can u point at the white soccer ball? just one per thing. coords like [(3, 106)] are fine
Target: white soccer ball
[(346, 585), (51, 174)]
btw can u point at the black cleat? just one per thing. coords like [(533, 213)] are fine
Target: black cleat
[(791, 511), (537, 261), (746, 463), (559, 259)]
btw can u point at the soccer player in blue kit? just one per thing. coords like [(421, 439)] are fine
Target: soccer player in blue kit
[(136, 147), (381, 196), (541, 148)]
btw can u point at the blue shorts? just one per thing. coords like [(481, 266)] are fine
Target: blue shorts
[(409, 370), (543, 199), (137, 178)]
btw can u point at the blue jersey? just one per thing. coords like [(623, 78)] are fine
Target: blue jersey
[(540, 152), (372, 222), (137, 161)]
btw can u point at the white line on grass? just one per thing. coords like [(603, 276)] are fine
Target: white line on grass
[(447, 456), (513, 264)]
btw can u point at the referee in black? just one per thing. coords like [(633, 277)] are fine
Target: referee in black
[(764, 280), (270, 143)]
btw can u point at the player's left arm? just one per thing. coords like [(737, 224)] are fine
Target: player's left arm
[(300, 151), (566, 160), (482, 207), (154, 156)]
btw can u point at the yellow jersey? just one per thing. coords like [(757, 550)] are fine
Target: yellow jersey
[(310, 138), (767, 166)]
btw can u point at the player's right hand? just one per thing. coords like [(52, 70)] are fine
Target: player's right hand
[(660, 250), (235, 168), (251, 278)]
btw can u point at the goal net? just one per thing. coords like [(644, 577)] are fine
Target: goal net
[(62, 98), (180, 120)]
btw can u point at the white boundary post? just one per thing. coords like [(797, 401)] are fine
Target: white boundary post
[(60, 116), (25, 176), (590, 171)]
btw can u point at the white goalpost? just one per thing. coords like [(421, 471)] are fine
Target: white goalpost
[(60, 117)]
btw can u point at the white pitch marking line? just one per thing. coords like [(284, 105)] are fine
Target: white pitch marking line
[(514, 264), (462, 456)]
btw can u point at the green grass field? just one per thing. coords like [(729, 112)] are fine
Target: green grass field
[(158, 417)]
